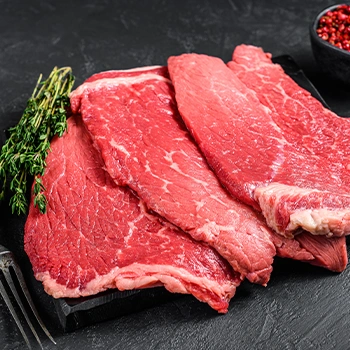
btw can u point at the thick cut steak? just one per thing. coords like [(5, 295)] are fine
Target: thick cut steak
[(135, 124), (270, 143), (97, 235)]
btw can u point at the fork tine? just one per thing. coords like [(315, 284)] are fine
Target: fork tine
[(25, 290), (13, 313), (19, 302)]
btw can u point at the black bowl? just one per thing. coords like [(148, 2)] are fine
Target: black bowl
[(334, 61)]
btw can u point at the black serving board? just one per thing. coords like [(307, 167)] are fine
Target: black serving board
[(72, 314), (76, 313), (293, 70)]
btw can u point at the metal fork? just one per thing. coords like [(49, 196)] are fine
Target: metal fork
[(7, 261)]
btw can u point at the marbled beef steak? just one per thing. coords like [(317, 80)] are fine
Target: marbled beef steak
[(97, 235), (144, 144), (310, 187), (271, 144)]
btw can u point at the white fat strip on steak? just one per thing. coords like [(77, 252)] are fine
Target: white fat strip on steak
[(135, 276), (316, 221), (95, 85)]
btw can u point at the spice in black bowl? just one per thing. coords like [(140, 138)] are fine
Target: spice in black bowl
[(334, 27), (330, 41)]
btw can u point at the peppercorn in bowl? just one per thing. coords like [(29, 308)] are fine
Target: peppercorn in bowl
[(330, 41)]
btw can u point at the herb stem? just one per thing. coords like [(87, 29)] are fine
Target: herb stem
[(25, 151)]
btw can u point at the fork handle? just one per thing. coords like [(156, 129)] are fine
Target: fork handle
[(4, 249)]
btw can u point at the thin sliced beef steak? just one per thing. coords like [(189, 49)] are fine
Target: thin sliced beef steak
[(335, 256), (144, 144), (314, 195), (97, 235), (274, 163)]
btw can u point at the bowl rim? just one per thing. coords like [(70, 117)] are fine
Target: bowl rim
[(314, 26)]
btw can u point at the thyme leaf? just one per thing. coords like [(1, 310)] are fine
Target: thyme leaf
[(25, 151)]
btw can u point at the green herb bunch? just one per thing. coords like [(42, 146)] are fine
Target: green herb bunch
[(25, 151)]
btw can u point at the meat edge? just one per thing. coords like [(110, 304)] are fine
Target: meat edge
[(139, 276)]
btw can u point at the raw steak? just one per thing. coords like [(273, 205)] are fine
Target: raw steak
[(97, 235), (136, 126), (315, 194), (334, 253), (289, 166)]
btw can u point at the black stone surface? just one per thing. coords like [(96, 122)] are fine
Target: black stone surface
[(303, 307)]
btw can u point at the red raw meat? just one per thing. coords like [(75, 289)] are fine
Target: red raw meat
[(329, 253), (97, 235), (209, 99), (273, 146), (335, 256), (310, 188), (144, 144)]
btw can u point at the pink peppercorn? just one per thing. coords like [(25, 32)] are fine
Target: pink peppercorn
[(334, 27)]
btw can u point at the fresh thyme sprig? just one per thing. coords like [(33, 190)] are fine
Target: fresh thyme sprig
[(25, 151)]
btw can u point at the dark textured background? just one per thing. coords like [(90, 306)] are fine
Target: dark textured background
[(303, 307)]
